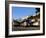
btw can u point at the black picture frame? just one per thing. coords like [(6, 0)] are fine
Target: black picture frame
[(7, 17)]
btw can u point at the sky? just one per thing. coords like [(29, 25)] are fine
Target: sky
[(19, 12)]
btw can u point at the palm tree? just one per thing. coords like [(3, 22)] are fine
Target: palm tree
[(38, 10)]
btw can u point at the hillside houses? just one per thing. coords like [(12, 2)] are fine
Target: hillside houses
[(30, 21)]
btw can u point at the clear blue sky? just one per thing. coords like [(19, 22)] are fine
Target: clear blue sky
[(19, 12)]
